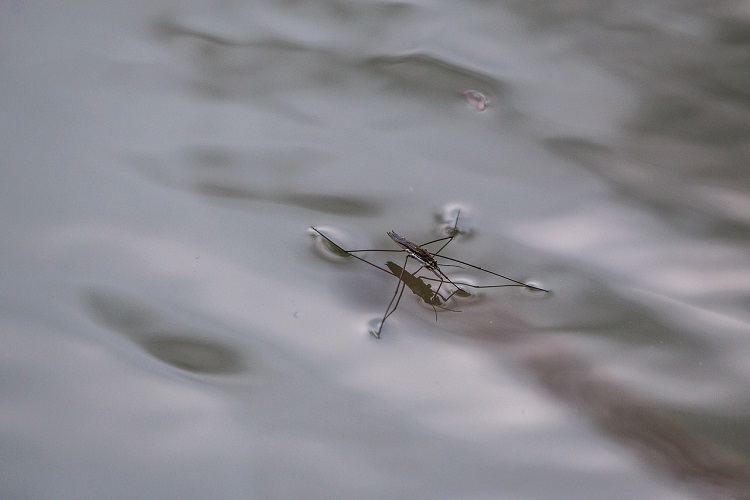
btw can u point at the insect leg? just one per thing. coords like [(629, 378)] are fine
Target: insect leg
[(396, 297)]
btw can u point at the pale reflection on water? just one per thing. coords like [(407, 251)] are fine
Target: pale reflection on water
[(170, 326)]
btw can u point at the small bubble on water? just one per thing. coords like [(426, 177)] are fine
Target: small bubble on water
[(475, 99)]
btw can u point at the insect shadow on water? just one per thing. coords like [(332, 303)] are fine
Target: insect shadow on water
[(427, 260)]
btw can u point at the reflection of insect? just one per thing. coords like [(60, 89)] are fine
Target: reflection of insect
[(417, 284)]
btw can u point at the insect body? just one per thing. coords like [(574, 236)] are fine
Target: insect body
[(419, 253)]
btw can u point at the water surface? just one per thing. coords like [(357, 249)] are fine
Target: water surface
[(171, 329)]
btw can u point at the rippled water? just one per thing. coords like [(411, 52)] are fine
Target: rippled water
[(173, 328)]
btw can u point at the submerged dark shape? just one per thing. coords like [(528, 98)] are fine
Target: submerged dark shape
[(171, 341), (417, 285), (332, 204)]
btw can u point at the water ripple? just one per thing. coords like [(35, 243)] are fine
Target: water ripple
[(185, 348)]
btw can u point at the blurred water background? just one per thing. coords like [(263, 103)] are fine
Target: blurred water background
[(171, 329)]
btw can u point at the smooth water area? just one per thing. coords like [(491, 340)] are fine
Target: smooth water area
[(172, 328)]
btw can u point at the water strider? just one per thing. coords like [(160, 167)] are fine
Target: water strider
[(417, 284)]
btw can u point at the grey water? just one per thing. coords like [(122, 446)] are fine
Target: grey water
[(171, 328)]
